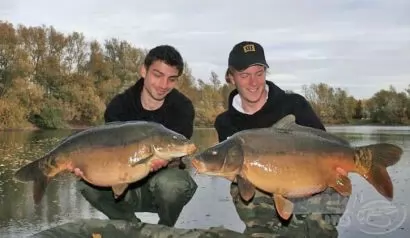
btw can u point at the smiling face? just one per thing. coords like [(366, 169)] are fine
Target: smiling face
[(159, 79), (250, 84)]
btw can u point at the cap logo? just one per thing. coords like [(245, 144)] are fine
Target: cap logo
[(248, 48)]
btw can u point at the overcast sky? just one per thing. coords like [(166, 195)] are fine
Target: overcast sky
[(360, 46)]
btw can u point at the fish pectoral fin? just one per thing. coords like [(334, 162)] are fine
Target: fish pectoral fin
[(246, 189), (342, 184), (140, 159), (283, 206), (156, 152), (119, 189), (165, 155)]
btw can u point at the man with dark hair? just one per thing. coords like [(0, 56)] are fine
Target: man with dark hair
[(152, 98), (257, 103)]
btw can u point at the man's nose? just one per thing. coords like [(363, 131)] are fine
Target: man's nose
[(253, 80), (163, 83)]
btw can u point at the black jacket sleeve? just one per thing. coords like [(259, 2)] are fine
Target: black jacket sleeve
[(219, 129), (115, 109), (223, 128), (304, 113)]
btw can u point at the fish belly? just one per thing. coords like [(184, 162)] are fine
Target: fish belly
[(291, 176), (109, 166)]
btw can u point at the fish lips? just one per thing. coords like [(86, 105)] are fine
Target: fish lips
[(191, 148), (204, 164), (198, 165), (179, 151)]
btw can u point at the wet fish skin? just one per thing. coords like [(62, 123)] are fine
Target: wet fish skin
[(111, 155), (289, 160)]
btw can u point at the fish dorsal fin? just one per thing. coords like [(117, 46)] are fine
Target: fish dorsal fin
[(289, 123), (286, 122)]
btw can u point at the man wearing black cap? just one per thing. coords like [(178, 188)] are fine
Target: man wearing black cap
[(257, 103)]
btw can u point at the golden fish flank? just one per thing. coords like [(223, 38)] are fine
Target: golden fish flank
[(96, 235), (109, 155), (289, 160)]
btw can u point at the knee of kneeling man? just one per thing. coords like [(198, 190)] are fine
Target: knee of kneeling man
[(87, 190), (81, 185), (191, 186), (177, 189)]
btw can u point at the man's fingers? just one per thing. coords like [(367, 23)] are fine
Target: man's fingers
[(157, 164), (78, 172)]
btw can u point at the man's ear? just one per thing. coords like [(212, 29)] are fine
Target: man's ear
[(143, 71), (229, 76), (231, 80)]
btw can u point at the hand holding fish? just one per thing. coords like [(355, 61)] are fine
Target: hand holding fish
[(75, 170), (158, 164), (78, 172)]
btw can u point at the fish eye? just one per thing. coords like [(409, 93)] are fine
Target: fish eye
[(174, 137)]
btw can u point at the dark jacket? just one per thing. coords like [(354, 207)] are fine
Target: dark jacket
[(177, 113), (278, 105)]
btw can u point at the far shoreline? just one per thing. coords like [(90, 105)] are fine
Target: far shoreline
[(84, 127)]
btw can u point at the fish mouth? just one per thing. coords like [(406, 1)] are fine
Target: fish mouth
[(201, 168), (176, 152), (198, 165), (191, 148)]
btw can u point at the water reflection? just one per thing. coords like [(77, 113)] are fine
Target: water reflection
[(368, 213), (18, 214)]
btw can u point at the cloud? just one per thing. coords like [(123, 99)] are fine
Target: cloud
[(342, 43)]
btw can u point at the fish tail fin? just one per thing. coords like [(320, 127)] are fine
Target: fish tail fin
[(33, 172), (371, 162)]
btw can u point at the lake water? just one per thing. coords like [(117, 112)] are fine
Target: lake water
[(368, 213)]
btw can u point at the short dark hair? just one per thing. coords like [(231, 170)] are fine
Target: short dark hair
[(165, 53)]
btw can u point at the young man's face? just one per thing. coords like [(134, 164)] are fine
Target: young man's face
[(159, 79), (250, 83)]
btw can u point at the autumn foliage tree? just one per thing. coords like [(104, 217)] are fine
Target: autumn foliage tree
[(53, 80)]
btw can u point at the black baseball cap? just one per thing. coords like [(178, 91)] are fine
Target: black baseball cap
[(245, 54)]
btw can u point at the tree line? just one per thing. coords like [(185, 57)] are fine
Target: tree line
[(53, 80)]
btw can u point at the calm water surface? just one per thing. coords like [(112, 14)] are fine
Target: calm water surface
[(368, 213)]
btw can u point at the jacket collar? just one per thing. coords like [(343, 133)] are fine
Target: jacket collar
[(273, 92)]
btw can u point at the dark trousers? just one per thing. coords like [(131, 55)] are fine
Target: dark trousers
[(316, 216), (165, 192)]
